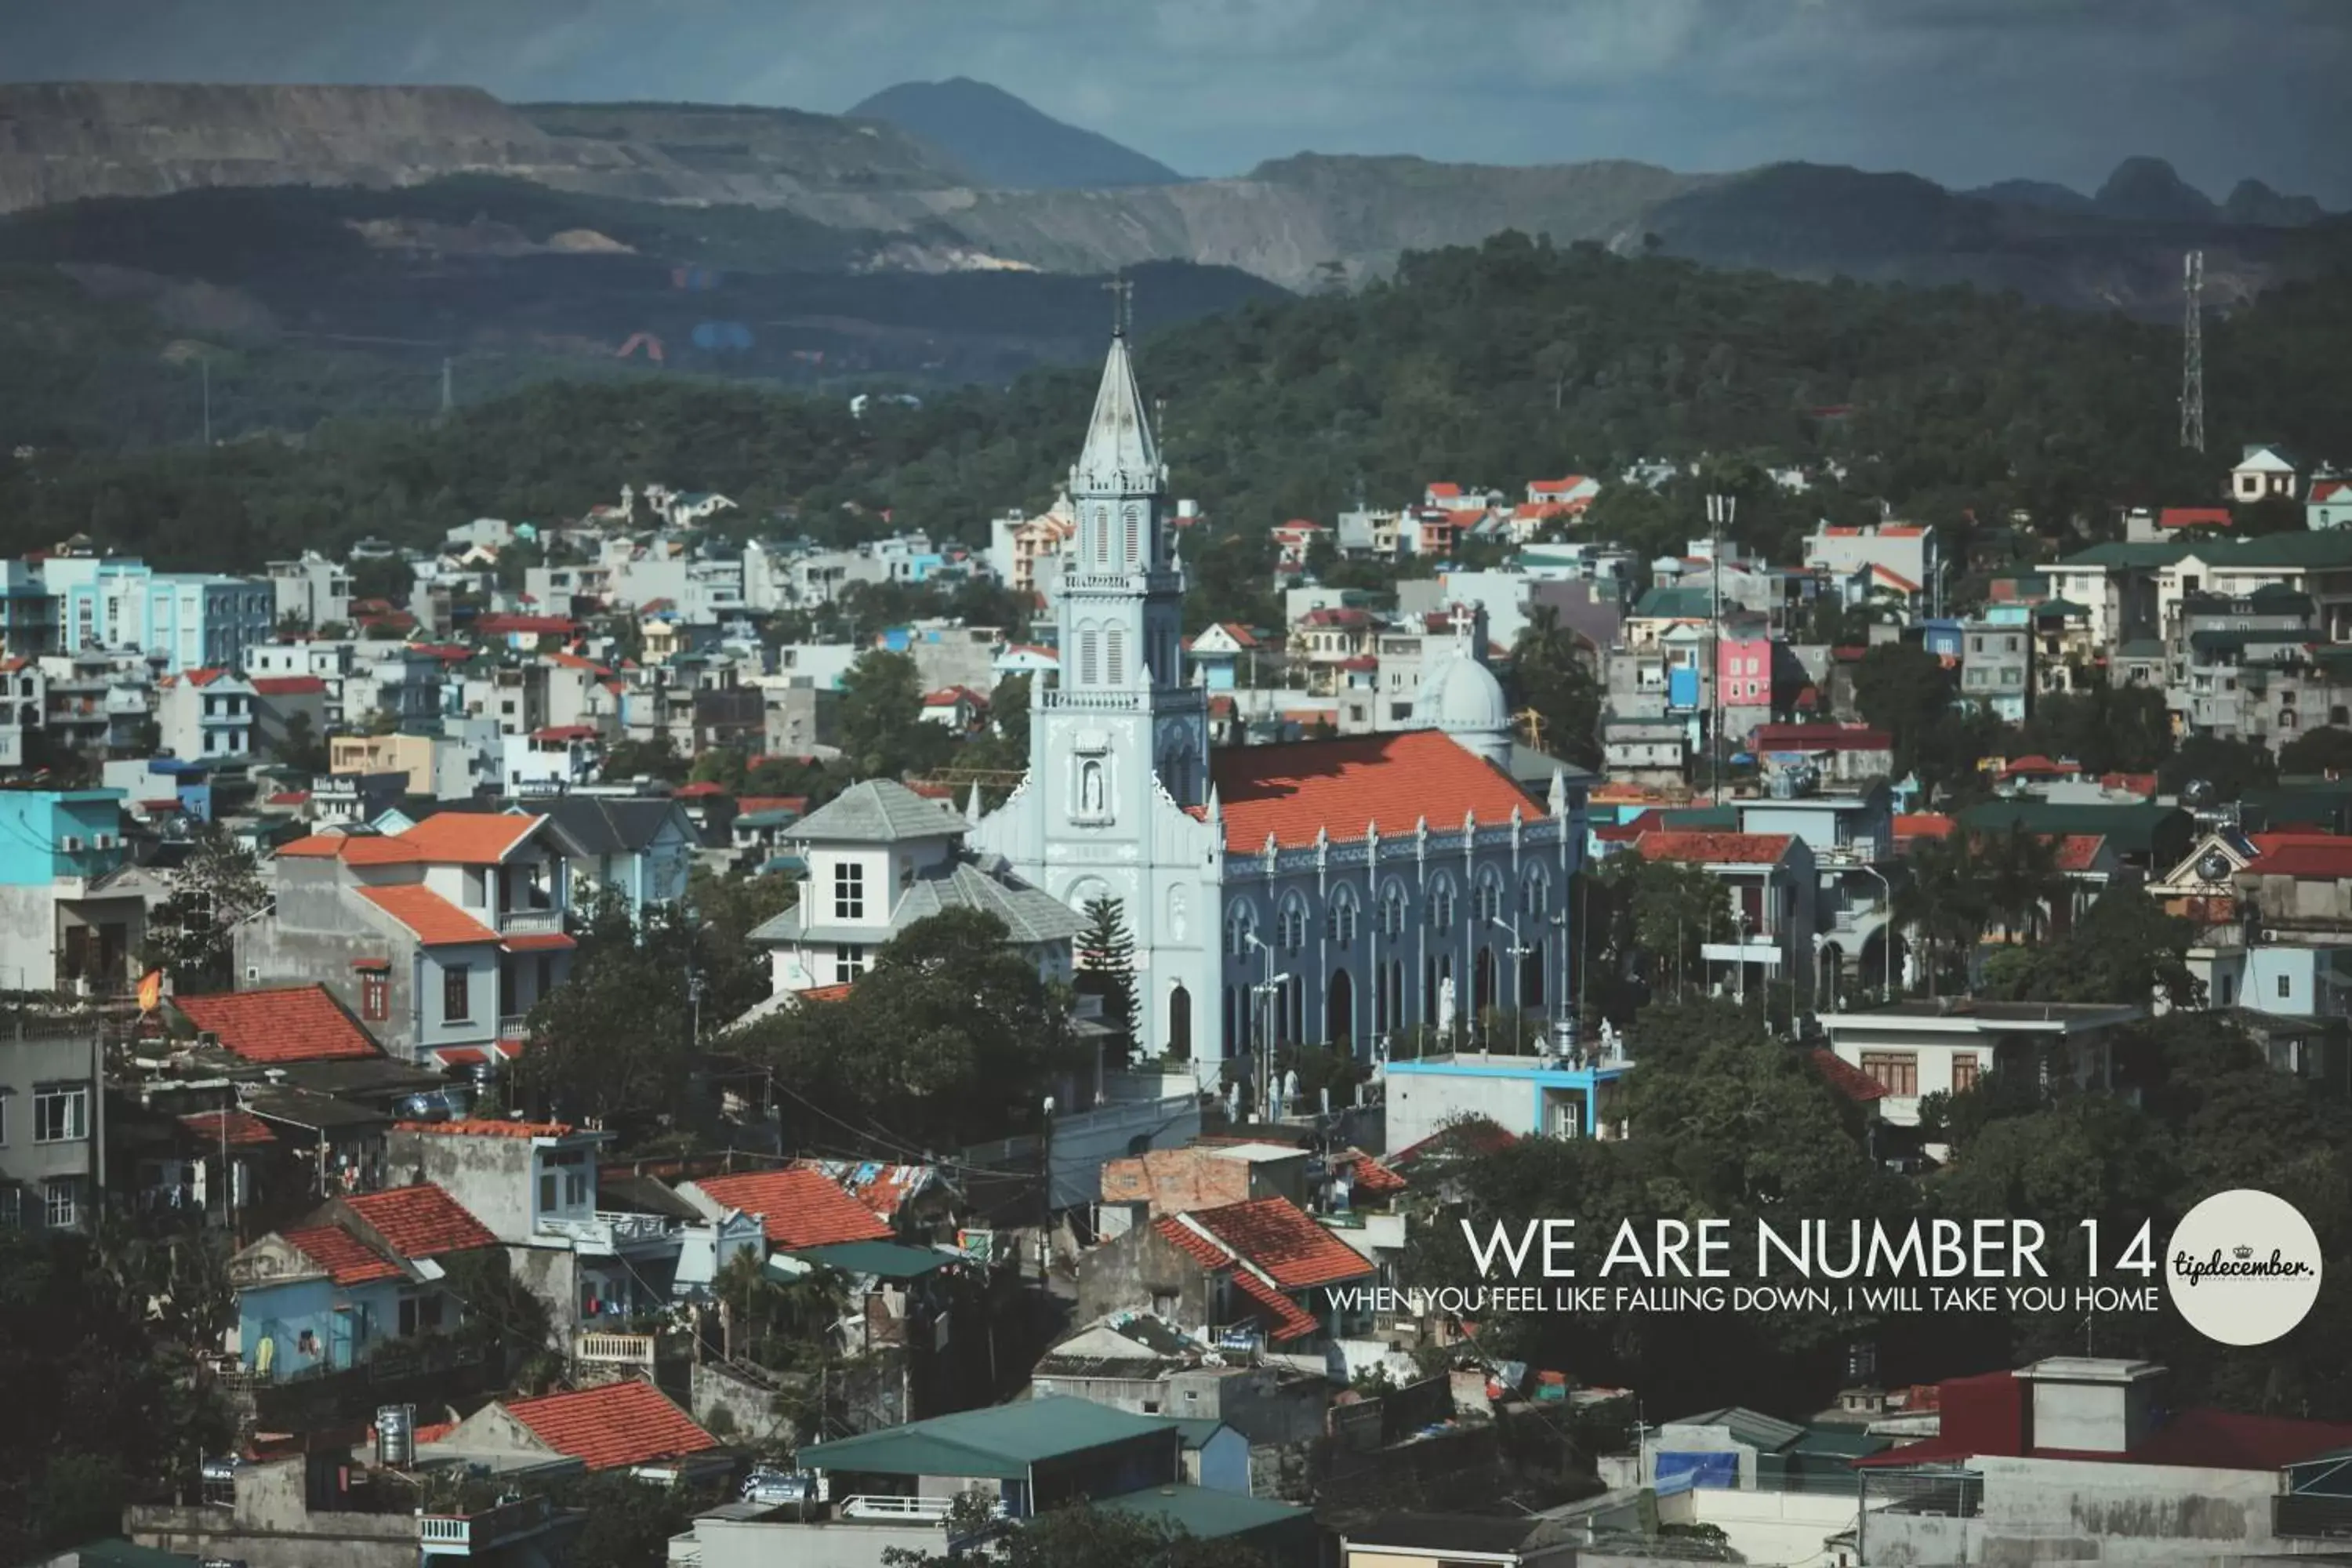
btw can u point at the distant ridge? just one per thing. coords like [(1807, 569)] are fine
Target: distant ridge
[(1009, 144)]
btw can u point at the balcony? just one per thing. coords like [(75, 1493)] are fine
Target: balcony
[(530, 922), (514, 1028), (463, 1534), (611, 1233), (1185, 700)]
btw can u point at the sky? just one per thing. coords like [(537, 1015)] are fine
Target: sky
[(1963, 91)]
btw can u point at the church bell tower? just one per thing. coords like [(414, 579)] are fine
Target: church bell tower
[(1122, 721)]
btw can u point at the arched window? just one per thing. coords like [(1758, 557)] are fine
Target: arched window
[(1535, 893), (1489, 902), (1441, 904), (1290, 930), (1134, 556), (1340, 917), (1391, 910), (1102, 536), (1088, 649), (1114, 642), (1241, 923)]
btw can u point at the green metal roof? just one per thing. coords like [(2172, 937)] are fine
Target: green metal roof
[(1763, 1433), (2116, 552), (1702, 819), (2060, 607), (1203, 1514), (886, 1259), (2131, 828), (1194, 1431), (2141, 647), (2302, 549), (124, 1554), (1002, 1441), (1676, 604)]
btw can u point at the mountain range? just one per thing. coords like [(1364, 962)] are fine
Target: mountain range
[(461, 216)]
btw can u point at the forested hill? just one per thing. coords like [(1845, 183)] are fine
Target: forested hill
[(1495, 365)]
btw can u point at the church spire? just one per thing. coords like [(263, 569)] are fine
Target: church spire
[(1119, 456)]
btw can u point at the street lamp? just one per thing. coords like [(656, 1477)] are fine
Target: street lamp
[(1886, 936), (1518, 952), (1267, 989)]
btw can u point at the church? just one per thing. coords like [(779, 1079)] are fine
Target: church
[(1330, 892)]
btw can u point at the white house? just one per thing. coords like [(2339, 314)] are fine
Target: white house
[(2263, 472)]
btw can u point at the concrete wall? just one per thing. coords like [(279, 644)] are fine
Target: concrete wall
[(733, 1408), (1774, 1527), (270, 1526), (28, 937), (25, 1065), (1138, 1268), (759, 1543), (490, 1176), (2038, 1509)]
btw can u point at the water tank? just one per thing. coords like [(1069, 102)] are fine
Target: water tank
[(395, 1436)]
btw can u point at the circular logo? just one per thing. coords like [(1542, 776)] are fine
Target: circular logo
[(2243, 1266)]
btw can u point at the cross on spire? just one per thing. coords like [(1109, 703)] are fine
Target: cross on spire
[(1465, 620), (1122, 305)]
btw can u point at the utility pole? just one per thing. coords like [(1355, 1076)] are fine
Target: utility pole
[(204, 369), (448, 390), (2192, 350), (1719, 510)]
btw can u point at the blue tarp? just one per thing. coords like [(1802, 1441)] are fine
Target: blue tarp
[(1713, 1470)]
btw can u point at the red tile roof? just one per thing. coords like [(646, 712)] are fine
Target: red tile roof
[(1845, 1078), (2079, 851), (2328, 489), (470, 837), (352, 848), (285, 1024), (2311, 855), (537, 941), (2141, 784), (421, 1221), (1368, 1174), (800, 1207), (1441, 488), (350, 1260), (2194, 517), (1282, 1239), (618, 1425), (1345, 785), (1922, 824), (2198, 1438), (244, 1129), (1716, 848), (487, 1127), (1475, 1137), (1291, 1320), (2039, 766), (433, 920), (825, 993), (288, 686), (1822, 738)]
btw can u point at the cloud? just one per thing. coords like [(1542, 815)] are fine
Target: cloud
[(1962, 90)]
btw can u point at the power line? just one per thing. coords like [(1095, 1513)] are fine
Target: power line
[(2192, 350)]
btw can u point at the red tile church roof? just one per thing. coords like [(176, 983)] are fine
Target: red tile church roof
[(1346, 786)]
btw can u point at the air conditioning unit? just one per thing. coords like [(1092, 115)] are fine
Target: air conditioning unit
[(2269, 935), (73, 846), (105, 841)]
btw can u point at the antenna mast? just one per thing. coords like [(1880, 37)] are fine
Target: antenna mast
[(2192, 350)]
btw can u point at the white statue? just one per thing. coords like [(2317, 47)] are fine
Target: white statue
[(1090, 789), (1446, 1006), (1176, 912)]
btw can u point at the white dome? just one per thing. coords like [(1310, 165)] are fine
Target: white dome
[(1461, 697)]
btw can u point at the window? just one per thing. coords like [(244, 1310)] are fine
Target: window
[(375, 995), (1964, 1072), (1239, 928), (1115, 661), (1440, 905), (61, 1113), (4, 1118), (849, 891), (1088, 641), (60, 1207), (1290, 928), (547, 1191), (1340, 920), (576, 1189), (1393, 911), (478, 888), (1489, 902), (1134, 536), (1896, 1072), (1536, 892), (2285, 987), (457, 994), (11, 1208), (848, 963)]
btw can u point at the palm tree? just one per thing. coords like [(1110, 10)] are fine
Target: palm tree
[(2022, 875), (1945, 899)]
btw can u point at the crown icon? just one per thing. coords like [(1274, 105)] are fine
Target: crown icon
[(2241, 1250)]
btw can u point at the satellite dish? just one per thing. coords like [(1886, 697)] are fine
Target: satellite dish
[(2214, 867), (2197, 793)]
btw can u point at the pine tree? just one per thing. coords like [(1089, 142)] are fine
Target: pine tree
[(1107, 969)]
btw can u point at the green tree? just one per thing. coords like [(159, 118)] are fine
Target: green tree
[(1105, 968), (2021, 878), (301, 747), (189, 935), (656, 759), (1676, 908), (2326, 749), (1904, 690), (881, 726), (1552, 675), (952, 1029), (2127, 949), (2230, 767), (626, 1523), (1945, 901)]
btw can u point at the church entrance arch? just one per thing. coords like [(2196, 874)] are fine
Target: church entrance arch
[(1180, 1023), (1339, 1011), (1482, 981)]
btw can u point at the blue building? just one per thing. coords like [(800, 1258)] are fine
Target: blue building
[(188, 620), (72, 914)]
